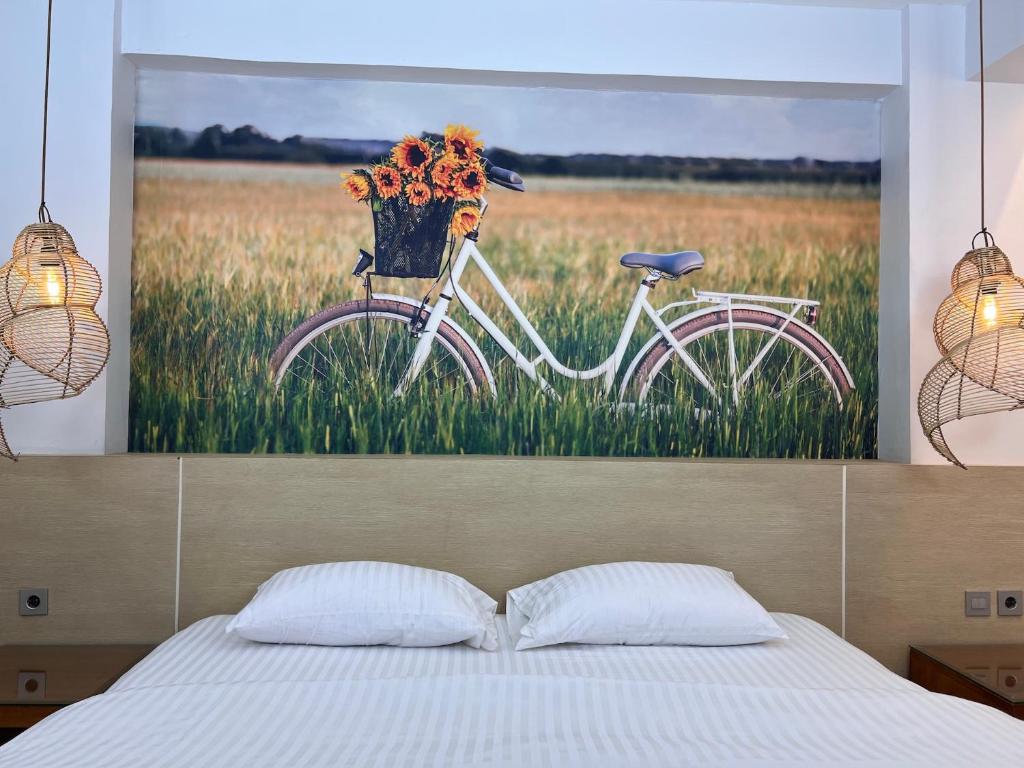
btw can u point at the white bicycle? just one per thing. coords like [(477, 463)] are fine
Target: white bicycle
[(721, 347)]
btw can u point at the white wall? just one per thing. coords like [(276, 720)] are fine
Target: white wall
[(1004, 40), (649, 38), (914, 58), (79, 192), (944, 187)]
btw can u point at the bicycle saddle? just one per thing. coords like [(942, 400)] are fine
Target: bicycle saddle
[(674, 264)]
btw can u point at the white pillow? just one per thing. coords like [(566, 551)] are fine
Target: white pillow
[(368, 603), (638, 604)]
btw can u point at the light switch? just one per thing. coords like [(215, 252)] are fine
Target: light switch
[(984, 674), (977, 603)]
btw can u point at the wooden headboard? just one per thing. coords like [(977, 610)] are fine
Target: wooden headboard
[(502, 523), (102, 534)]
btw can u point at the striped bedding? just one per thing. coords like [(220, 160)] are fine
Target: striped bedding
[(204, 698)]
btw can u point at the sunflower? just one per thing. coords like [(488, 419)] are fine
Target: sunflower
[(441, 193), (465, 220), (412, 156), (443, 170), (356, 184), (417, 193), (470, 183), (462, 143), (388, 181)]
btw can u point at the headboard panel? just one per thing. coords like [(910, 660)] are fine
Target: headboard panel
[(100, 532), (504, 522)]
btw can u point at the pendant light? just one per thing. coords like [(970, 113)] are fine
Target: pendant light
[(979, 327), (52, 342)]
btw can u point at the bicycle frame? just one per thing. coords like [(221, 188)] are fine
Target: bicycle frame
[(608, 368)]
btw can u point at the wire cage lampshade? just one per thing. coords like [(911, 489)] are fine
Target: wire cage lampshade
[(979, 328), (52, 343), (986, 296), (55, 342)]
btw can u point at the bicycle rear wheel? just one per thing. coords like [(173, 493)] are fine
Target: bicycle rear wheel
[(355, 346), (797, 369)]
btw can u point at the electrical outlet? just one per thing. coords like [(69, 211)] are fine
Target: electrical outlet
[(31, 686), (34, 602), (977, 603), (1010, 680), (1010, 602)]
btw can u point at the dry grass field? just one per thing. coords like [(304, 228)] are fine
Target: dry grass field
[(229, 257)]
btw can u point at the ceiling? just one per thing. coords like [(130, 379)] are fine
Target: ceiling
[(856, 3)]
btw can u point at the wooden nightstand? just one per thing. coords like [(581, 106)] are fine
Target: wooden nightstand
[(990, 674), (37, 680)]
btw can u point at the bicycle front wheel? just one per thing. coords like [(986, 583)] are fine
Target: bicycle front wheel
[(356, 346), (792, 367)]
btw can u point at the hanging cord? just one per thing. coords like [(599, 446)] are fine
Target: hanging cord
[(44, 213), (984, 233)]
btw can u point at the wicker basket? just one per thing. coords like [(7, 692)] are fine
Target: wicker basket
[(410, 239)]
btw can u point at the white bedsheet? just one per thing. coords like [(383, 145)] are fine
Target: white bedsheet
[(207, 699)]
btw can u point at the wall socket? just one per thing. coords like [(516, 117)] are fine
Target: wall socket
[(34, 602), (1010, 602), (31, 686)]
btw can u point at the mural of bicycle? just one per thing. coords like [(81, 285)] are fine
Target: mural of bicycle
[(708, 351)]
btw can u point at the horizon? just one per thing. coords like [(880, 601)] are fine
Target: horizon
[(279, 139)]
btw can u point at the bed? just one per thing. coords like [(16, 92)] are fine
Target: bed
[(205, 698)]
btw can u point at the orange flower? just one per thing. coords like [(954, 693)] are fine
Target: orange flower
[(442, 174), (356, 184), (470, 183), (388, 181), (417, 193), (412, 156), (465, 220), (443, 170), (462, 143)]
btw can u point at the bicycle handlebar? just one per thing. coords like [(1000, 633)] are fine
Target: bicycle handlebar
[(506, 178)]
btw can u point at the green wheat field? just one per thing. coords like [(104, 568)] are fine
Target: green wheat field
[(229, 257)]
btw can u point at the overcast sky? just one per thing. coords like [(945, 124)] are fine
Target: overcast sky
[(547, 120)]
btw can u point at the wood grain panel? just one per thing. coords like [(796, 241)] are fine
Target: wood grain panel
[(99, 532), (929, 673), (73, 672), (503, 522), (917, 538)]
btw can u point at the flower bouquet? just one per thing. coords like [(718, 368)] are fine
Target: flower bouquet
[(422, 191)]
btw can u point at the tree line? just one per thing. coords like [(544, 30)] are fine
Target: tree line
[(248, 143)]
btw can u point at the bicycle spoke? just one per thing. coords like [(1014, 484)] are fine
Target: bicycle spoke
[(369, 353), (294, 372), (778, 369), (789, 359), (383, 351), (348, 348)]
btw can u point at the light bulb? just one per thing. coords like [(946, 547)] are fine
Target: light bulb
[(53, 279), (989, 309)]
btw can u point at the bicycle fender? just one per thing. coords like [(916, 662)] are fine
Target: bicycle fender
[(455, 327)]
